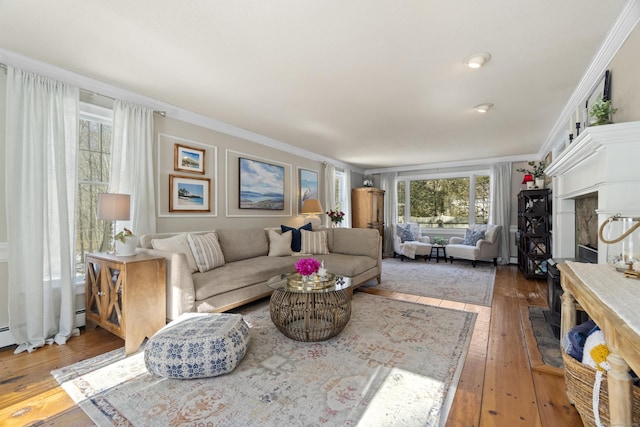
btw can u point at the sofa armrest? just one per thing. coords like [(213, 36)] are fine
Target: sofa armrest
[(456, 240), (181, 294), (424, 239)]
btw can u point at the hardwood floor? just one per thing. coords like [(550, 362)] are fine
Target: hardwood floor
[(503, 382)]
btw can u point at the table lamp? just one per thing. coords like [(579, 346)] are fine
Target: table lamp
[(113, 207), (528, 180), (311, 208)]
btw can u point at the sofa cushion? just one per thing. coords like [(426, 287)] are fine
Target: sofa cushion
[(206, 251), (355, 241), (404, 232), (236, 275), (178, 243), (347, 265), (296, 239), (279, 244), (239, 244), (314, 242), (471, 237)]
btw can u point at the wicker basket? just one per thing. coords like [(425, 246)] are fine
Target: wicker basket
[(579, 379)]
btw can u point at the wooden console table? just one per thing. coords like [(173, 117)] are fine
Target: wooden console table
[(612, 301)]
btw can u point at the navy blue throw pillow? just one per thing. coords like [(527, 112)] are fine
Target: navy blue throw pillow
[(296, 236)]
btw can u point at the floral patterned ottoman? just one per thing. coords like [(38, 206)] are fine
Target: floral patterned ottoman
[(197, 345)]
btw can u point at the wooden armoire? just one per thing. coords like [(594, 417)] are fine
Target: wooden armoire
[(367, 208)]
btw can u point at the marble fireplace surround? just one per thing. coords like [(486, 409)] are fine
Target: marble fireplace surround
[(603, 160)]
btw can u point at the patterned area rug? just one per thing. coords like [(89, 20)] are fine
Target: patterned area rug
[(455, 282), (396, 363)]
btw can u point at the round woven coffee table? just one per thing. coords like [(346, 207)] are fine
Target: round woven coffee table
[(308, 313)]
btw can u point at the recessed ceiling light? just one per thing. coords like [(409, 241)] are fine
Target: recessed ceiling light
[(483, 108), (477, 60)]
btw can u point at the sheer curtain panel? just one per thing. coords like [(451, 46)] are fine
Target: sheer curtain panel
[(132, 164), (500, 213), (40, 164), (329, 189)]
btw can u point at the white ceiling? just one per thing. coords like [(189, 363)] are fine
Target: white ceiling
[(373, 83)]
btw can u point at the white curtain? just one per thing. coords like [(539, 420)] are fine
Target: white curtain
[(132, 164), (329, 189), (388, 184), (500, 213), (347, 207), (40, 171)]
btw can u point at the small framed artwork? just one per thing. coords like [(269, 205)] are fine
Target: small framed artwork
[(261, 185), (188, 159), (308, 186), (189, 194)]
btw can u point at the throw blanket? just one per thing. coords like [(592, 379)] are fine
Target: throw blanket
[(409, 249)]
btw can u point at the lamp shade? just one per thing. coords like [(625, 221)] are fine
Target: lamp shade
[(527, 178), (312, 207), (114, 207)]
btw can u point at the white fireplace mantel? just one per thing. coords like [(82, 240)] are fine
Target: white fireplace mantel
[(603, 160)]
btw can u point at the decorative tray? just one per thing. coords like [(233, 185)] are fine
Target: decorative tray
[(295, 281)]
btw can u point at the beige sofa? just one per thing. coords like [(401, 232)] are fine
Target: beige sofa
[(353, 252)]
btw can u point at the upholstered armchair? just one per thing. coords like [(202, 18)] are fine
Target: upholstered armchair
[(481, 242), (407, 242)]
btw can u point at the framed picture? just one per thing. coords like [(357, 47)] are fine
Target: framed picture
[(188, 159), (602, 91), (261, 185), (189, 194), (308, 186)]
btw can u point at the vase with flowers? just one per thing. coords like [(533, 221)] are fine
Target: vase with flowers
[(307, 268), (336, 216), (125, 242)]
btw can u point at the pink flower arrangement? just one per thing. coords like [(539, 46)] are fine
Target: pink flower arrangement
[(307, 266)]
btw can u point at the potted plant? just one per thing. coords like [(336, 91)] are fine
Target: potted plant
[(602, 112), (537, 170), (126, 243)]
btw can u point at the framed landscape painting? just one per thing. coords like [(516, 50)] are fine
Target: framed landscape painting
[(261, 185), (308, 181), (188, 159), (189, 194)]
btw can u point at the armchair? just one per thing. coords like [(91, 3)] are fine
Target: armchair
[(414, 246), (486, 248)]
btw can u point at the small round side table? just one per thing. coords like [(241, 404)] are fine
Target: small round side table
[(308, 314)]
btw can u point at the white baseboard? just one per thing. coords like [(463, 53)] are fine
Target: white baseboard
[(7, 339)]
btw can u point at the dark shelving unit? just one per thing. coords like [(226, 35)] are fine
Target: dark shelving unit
[(534, 232)]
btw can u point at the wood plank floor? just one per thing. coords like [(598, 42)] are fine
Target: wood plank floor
[(503, 382)]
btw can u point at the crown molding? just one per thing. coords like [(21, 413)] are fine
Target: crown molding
[(105, 89), (617, 35)]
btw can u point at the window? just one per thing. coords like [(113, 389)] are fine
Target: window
[(452, 202), (94, 157)]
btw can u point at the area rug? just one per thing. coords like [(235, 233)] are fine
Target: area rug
[(548, 344), (396, 363), (454, 282)]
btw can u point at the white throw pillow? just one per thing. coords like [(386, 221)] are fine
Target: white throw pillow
[(206, 251), (280, 244), (314, 242), (179, 244)]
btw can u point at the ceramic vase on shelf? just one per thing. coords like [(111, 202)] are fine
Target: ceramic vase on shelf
[(540, 182)]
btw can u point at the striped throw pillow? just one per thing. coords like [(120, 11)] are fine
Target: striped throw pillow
[(314, 242), (206, 251)]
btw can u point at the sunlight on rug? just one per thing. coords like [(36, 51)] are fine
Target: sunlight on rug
[(454, 282), (396, 363)]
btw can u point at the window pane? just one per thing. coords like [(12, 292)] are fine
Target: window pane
[(400, 196), (482, 200), (93, 178), (440, 203)]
